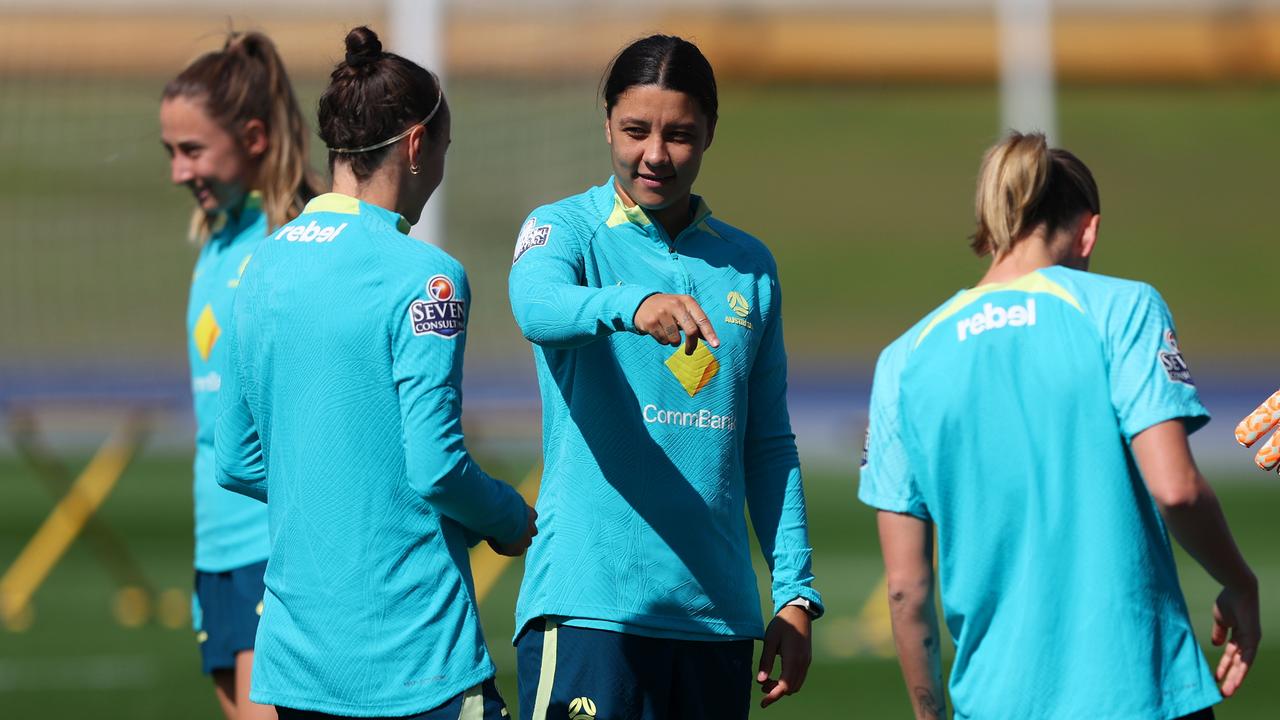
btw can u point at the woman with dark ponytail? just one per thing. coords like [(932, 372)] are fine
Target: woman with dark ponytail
[(1039, 421), (236, 138), (341, 409), (639, 597)]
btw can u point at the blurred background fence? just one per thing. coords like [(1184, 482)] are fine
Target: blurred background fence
[(849, 141)]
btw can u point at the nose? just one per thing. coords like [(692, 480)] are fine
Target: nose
[(180, 170), (655, 152)]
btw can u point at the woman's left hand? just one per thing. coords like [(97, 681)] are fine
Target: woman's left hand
[(788, 637)]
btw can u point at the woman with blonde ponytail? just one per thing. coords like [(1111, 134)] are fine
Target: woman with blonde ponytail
[(236, 138), (1039, 420)]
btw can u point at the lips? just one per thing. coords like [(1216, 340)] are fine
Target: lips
[(654, 181)]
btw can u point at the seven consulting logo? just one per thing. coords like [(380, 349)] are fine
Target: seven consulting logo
[(442, 315), (1175, 366), (532, 235)]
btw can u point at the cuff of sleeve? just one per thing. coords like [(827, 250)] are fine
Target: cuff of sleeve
[(516, 514), (1194, 416), (804, 597), (903, 506), (628, 303)]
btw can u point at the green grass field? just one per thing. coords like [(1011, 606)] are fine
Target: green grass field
[(864, 194), (76, 661)]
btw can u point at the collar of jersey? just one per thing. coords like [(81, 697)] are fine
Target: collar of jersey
[(1033, 282), (231, 223), (636, 215), (347, 205)]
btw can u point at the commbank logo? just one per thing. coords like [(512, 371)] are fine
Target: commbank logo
[(995, 318), (693, 372), (206, 332)]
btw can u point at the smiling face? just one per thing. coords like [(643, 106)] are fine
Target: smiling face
[(216, 166), (657, 137)]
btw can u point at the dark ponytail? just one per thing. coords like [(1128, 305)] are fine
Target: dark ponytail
[(373, 96), (666, 61), (244, 81)]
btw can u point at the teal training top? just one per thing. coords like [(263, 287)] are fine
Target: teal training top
[(230, 529), (1005, 417), (649, 454), (342, 409)]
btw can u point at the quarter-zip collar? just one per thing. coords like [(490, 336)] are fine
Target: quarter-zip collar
[(230, 223), (638, 216)]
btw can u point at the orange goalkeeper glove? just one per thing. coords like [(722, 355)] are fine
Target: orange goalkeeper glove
[(1259, 423)]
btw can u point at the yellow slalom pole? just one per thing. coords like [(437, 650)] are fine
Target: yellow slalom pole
[(486, 565), (873, 628), (68, 518)]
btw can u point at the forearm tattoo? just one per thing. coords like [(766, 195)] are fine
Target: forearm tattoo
[(928, 705)]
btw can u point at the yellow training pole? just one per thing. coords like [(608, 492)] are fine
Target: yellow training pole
[(68, 518), (486, 565)]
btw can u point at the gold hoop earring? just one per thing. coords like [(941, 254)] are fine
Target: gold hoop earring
[(413, 169)]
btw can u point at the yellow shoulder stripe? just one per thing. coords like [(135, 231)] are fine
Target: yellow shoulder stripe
[(1033, 282)]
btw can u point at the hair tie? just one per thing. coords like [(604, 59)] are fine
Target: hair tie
[(401, 136)]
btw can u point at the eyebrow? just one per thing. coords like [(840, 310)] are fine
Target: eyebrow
[(625, 120)]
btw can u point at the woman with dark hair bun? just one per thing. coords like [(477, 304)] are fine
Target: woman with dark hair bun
[(236, 138), (343, 412), (639, 598)]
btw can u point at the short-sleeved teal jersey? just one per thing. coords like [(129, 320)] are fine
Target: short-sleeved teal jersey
[(650, 454), (1005, 417), (230, 529), (342, 410)]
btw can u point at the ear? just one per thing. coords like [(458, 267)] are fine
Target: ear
[(608, 133), (1087, 235), (253, 138), (416, 146), (711, 135)]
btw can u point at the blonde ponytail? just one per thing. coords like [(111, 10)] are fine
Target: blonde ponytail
[(1024, 184), (1013, 177)]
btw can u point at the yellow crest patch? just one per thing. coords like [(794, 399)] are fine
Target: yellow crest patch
[(206, 332), (693, 371), (738, 304)]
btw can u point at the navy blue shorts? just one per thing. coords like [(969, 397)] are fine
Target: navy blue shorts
[(481, 702), (227, 607), (1205, 714), (569, 673)]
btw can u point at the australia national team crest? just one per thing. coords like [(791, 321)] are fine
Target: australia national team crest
[(532, 235), (1175, 366), (443, 315)]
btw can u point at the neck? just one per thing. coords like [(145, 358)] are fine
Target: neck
[(378, 189), (674, 218), (1027, 255)]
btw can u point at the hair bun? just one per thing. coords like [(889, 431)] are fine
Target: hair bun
[(363, 47)]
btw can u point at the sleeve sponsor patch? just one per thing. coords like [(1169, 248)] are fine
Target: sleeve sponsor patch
[(442, 314), (866, 448), (1175, 366), (532, 235)]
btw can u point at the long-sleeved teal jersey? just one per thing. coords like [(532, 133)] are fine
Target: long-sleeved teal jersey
[(1005, 417), (649, 454), (342, 410), (230, 529)]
